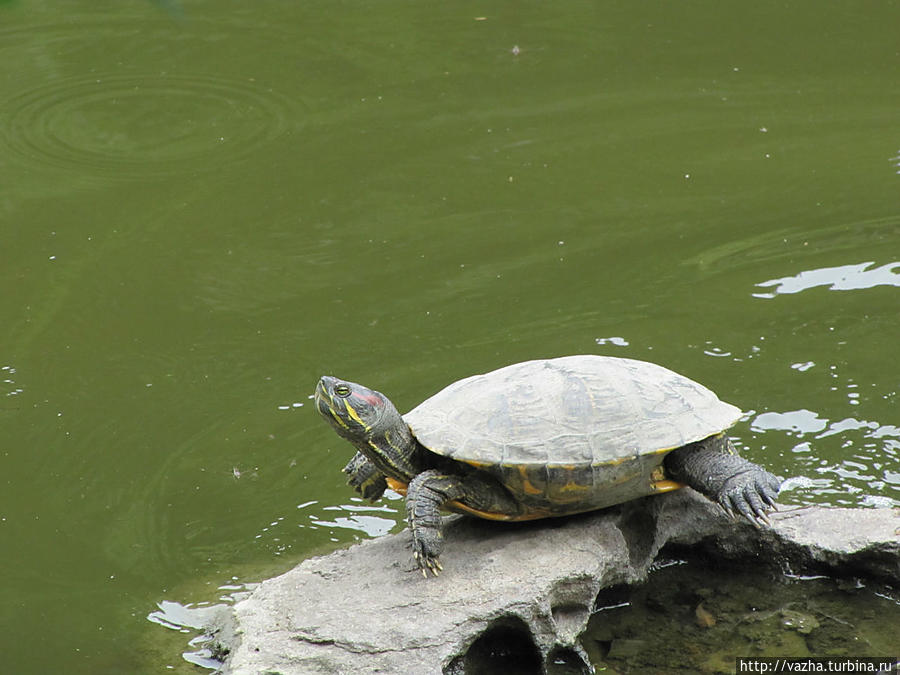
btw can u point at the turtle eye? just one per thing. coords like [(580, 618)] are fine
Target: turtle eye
[(342, 390)]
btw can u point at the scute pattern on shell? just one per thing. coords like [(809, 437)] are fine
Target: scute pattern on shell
[(575, 410)]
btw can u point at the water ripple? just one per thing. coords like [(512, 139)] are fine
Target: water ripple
[(853, 455), (139, 125), (791, 245)]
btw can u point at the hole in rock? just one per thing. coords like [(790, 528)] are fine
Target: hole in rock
[(506, 647), (566, 661)]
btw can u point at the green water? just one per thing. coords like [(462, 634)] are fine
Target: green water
[(695, 616), (205, 206)]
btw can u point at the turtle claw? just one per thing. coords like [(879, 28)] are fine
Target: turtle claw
[(769, 497), (426, 562), (751, 496), (427, 565)]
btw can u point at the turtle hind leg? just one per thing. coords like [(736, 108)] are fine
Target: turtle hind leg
[(713, 468)]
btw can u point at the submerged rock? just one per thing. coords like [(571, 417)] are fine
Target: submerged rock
[(521, 590)]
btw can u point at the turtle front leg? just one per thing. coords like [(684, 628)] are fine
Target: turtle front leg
[(425, 496), (430, 491), (365, 477), (713, 468)]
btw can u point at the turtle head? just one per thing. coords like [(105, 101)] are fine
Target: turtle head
[(370, 421), (356, 413)]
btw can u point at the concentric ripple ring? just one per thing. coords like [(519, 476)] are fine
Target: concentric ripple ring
[(137, 126)]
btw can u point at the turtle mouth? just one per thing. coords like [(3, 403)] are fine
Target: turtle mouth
[(323, 399), (333, 409)]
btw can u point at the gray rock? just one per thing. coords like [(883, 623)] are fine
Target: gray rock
[(527, 587)]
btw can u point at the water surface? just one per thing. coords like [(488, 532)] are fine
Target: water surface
[(205, 207)]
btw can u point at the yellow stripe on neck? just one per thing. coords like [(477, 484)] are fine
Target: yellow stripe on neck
[(355, 416)]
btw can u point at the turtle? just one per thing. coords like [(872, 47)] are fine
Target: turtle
[(544, 438)]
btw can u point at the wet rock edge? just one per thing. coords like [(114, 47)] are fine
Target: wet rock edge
[(365, 609)]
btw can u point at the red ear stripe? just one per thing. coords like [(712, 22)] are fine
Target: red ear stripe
[(373, 399)]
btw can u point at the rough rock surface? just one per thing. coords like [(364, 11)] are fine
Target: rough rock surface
[(366, 609)]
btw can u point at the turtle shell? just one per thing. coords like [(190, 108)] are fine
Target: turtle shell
[(571, 434)]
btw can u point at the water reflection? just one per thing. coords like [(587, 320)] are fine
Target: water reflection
[(196, 618), (842, 278), (370, 525), (867, 455), (800, 422), (358, 516), (794, 421), (183, 618), (615, 340), (8, 386), (358, 519)]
